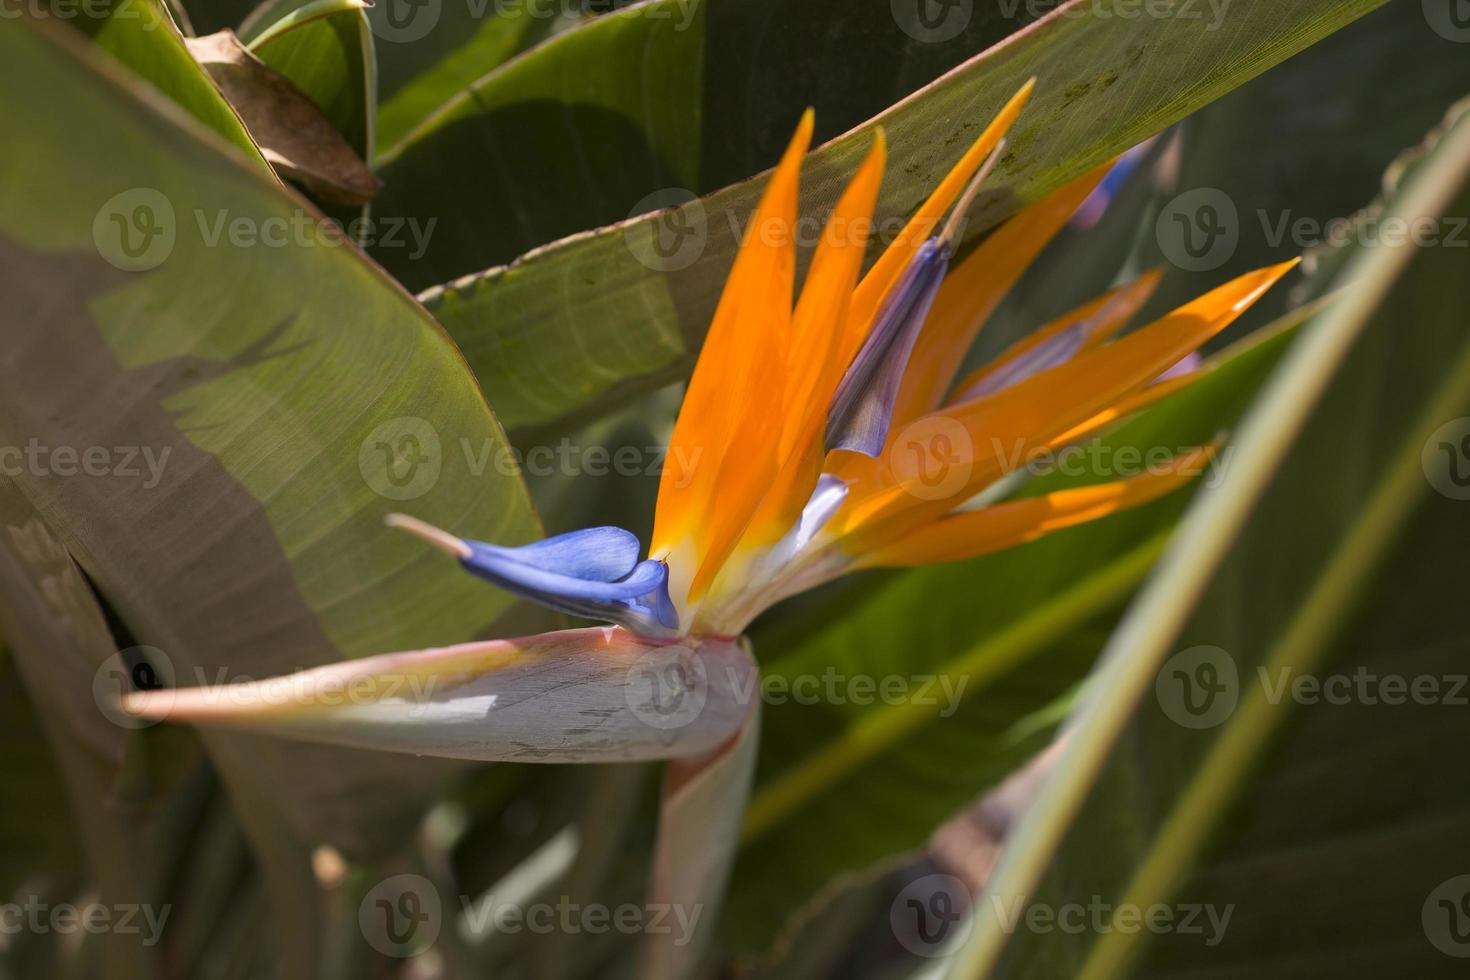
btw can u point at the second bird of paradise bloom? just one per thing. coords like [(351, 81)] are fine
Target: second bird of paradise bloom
[(819, 424)]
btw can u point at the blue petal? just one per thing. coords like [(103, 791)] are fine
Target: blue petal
[(605, 554), (1090, 212), (1043, 357), (863, 406), (824, 502), (585, 573), (826, 499), (1046, 355)]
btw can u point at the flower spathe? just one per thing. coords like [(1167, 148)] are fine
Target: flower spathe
[(807, 412)]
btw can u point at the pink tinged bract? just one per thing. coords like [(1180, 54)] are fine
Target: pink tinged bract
[(587, 695)]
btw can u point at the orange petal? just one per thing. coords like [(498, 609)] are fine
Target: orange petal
[(826, 297), (1135, 402), (1000, 428), (1005, 525), (975, 287), (729, 424), (925, 222), (814, 368), (1103, 316)]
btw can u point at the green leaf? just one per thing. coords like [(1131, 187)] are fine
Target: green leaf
[(985, 655), (439, 51), (326, 49), (252, 408), (568, 330), (568, 137), (208, 16), (64, 652), (141, 35), (1325, 549), (660, 95), (35, 835), (1288, 156)]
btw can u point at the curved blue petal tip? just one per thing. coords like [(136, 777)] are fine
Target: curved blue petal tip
[(593, 573)]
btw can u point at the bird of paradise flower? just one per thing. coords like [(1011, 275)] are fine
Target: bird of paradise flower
[(833, 437)]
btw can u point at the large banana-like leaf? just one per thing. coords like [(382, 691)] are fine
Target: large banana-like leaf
[(1332, 549), (578, 132), (576, 326), (225, 400), (431, 52), (980, 658), (34, 833), (64, 651), (142, 36)]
